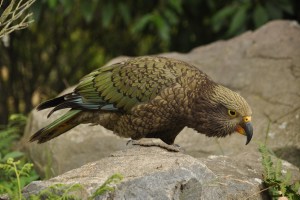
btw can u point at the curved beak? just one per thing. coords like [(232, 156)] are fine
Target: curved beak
[(249, 131), (246, 128)]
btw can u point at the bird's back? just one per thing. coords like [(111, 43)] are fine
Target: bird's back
[(138, 80)]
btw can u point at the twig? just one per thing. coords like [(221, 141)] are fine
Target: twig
[(260, 191), (11, 14), (1, 3)]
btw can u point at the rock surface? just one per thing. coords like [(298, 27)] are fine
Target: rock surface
[(154, 173), (264, 66)]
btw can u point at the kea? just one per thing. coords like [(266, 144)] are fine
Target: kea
[(150, 97)]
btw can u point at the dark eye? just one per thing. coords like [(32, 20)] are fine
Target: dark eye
[(231, 113)]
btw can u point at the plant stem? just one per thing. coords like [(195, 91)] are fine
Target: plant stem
[(18, 181), (267, 132)]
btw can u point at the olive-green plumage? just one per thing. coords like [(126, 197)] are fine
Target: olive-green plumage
[(150, 97)]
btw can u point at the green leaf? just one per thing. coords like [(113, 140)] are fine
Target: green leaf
[(107, 185), (14, 154), (141, 23), (20, 118), (87, 9), (260, 16), (296, 187), (162, 27), (32, 177), (238, 21), (52, 3), (107, 14), (125, 12), (176, 5), (171, 16), (219, 19)]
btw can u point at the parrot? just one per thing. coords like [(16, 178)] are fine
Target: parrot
[(150, 97)]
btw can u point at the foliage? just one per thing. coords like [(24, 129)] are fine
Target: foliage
[(10, 19), (9, 133), (68, 192), (15, 172), (238, 16), (107, 185), (15, 176), (278, 183), (59, 192)]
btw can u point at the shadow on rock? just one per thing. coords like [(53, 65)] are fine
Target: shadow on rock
[(290, 154)]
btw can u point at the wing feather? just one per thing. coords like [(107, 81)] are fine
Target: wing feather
[(129, 83)]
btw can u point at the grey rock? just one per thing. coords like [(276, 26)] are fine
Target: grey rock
[(154, 173), (264, 66)]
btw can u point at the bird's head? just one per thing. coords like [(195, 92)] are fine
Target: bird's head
[(222, 112)]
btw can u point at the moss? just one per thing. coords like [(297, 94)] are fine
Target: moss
[(76, 191)]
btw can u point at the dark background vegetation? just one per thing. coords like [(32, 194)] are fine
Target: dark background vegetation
[(69, 38)]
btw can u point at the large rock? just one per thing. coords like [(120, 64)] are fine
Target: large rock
[(154, 173), (264, 66)]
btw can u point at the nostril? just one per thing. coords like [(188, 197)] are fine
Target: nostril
[(247, 118)]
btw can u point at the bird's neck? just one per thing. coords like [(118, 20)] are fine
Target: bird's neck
[(200, 107)]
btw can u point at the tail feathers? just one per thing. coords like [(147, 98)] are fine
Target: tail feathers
[(74, 101), (56, 128), (51, 103), (70, 100), (63, 105)]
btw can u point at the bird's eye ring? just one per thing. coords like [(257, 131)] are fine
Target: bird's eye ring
[(231, 113)]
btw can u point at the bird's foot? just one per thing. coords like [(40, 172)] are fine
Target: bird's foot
[(151, 143)]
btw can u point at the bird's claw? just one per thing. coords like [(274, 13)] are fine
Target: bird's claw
[(150, 143), (129, 141)]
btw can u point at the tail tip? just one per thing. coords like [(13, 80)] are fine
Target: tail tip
[(37, 136)]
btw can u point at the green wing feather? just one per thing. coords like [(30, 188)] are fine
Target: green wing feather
[(129, 83), (56, 128)]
